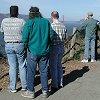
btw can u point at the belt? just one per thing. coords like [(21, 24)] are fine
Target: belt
[(15, 42)]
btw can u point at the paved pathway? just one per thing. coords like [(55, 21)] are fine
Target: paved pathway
[(85, 85)]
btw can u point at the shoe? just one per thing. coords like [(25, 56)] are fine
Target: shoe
[(12, 90), (45, 94), (28, 94), (23, 89), (54, 89), (59, 87), (84, 61), (92, 60)]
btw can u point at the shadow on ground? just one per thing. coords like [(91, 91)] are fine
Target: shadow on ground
[(72, 76), (68, 78), (98, 57)]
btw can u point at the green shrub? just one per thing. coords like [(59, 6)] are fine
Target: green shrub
[(77, 54)]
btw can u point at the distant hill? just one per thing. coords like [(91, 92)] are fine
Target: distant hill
[(2, 16), (25, 17)]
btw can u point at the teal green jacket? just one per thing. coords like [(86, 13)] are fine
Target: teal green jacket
[(37, 36), (90, 27)]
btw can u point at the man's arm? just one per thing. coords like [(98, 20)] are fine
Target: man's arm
[(83, 26), (25, 34), (1, 29), (23, 23)]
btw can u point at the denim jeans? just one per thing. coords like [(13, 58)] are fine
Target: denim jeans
[(32, 62), (56, 55), (89, 42), (16, 55)]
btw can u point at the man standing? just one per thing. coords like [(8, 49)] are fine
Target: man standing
[(14, 47), (90, 27), (37, 35), (56, 51)]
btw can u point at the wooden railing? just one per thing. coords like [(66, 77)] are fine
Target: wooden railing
[(69, 45)]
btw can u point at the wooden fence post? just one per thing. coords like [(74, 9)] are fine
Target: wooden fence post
[(73, 42)]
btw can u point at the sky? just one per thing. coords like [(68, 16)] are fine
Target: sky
[(73, 10)]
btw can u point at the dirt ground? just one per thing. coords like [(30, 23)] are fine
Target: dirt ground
[(68, 67), (4, 79)]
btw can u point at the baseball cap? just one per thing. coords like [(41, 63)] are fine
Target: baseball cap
[(90, 13), (34, 9)]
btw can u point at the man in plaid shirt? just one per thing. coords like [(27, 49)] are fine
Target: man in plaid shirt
[(57, 51)]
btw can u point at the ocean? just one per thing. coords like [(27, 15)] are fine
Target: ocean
[(70, 24)]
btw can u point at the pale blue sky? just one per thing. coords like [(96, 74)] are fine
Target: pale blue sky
[(71, 9)]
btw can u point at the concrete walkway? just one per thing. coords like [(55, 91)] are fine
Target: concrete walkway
[(84, 86)]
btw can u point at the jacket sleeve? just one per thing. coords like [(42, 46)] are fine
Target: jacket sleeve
[(25, 34), (83, 26)]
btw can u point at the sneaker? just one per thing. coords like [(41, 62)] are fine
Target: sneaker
[(28, 94), (84, 61), (12, 90), (92, 60), (23, 89), (45, 94)]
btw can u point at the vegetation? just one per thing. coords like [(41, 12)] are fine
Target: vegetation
[(77, 55)]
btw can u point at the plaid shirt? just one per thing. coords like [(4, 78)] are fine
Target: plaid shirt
[(59, 33)]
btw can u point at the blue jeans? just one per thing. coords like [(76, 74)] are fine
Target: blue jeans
[(91, 42), (32, 62), (56, 55), (16, 55)]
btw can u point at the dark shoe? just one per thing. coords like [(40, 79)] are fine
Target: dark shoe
[(59, 87), (54, 89)]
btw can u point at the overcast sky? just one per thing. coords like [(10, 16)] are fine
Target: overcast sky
[(71, 9)]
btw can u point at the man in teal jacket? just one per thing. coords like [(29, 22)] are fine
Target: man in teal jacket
[(90, 27), (37, 35)]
